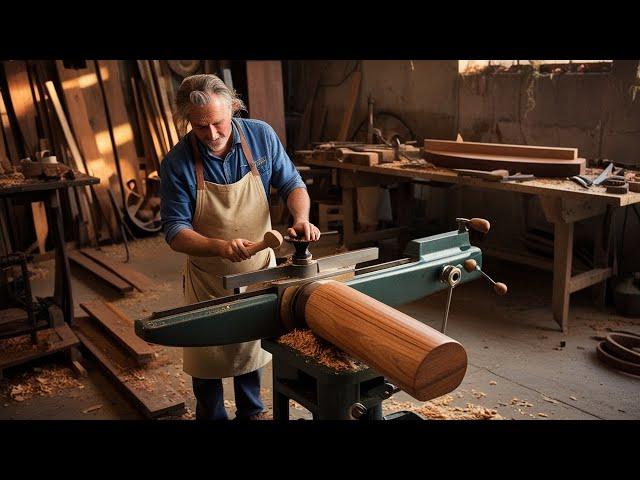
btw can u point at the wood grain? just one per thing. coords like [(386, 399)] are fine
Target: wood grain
[(127, 273), (540, 167), (127, 157), (121, 328), (266, 95), (111, 279), (501, 149), (422, 361)]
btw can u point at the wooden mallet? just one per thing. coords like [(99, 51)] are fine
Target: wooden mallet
[(271, 239)]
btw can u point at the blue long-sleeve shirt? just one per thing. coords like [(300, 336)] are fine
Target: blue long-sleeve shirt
[(178, 177)]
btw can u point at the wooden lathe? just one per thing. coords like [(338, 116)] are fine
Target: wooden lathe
[(352, 308)]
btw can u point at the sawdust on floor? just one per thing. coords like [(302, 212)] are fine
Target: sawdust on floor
[(44, 381)]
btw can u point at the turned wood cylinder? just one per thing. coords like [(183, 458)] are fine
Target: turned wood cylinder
[(419, 359)]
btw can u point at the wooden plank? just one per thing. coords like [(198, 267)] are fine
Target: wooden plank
[(586, 279), (121, 328), (361, 158), (25, 110), (130, 275), (22, 101), (50, 340), (86, 112), (539, 167), (151, 395), (351, 103), (165, 106), (9, 137), (84, 197), (501, 149), (146, 114), (266, 95), (302, 139), (111, 279), (127, 157), (150, 95)]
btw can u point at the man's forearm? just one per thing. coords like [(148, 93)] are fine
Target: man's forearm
[(299, 203), (192, 243)]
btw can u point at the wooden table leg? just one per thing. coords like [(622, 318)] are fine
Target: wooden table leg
[(601, 249), (562, 257), (62, 288)]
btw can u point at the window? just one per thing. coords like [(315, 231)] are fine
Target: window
[(467, 67)]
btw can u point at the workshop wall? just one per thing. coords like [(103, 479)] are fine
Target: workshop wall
[(594, 112)]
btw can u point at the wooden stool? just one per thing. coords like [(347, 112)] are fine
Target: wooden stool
[(329, 212)]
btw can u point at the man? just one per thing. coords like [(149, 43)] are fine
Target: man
[(214, 204)]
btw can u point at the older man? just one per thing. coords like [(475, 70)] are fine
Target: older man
[(214, 189)]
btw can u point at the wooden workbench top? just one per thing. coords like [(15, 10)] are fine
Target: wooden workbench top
[(555, 187)]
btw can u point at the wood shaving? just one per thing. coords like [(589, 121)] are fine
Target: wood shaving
[(441, 409), (93, 408), (47, 382), (322, 352)]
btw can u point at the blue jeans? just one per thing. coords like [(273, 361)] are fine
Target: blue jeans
[(210, 397)]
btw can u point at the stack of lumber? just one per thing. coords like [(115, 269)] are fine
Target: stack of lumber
[(132, 364), (539, 161), (117, 275), (107, 118)]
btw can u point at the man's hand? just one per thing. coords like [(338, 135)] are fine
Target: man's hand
[(308, 231), (236, 250)]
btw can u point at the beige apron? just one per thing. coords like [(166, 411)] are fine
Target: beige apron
[(236, 210)]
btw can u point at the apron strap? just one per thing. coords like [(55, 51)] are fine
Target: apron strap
[(247, 152), (195, 151)]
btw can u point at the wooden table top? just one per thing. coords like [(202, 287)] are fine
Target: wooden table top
[(13, 185), (555, 187)]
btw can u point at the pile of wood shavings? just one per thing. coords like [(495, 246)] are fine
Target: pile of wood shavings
[(23, 342), (441, 409), (322, 352), (43, 382), (12, 179)]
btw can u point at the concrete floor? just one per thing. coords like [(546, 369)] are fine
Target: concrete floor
[(516, 365)]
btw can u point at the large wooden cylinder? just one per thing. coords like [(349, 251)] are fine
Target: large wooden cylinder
[(419, 359)]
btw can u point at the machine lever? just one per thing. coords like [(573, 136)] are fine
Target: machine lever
[(470, 265)]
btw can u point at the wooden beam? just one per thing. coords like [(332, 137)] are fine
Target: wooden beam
[(137, 279), (150, 95), (101, 272), (501, 149), (562, 256), (146, 120), (568, 210), (586, 279), (126, 156), (266, 95), (165, 105), (76, 162), (9, 137), (87, 116), (150, 394), (121, 328), (22, 101), (350, 103), (540, 167)]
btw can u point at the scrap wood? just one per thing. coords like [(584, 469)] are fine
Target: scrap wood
[(152, 395), (320, 350)]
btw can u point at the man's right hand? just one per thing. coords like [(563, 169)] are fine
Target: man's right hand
[(236, 250)]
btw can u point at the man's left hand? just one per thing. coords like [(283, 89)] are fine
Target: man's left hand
[(305, 231)]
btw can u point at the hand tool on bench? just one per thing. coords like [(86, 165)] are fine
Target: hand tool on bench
[(349, 307)]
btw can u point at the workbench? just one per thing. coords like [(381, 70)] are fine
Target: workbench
[(36, 190), (563, 202)]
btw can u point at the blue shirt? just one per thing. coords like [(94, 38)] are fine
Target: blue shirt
[(178, 176)]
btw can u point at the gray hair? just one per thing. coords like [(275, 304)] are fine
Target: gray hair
[(197, 90)]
